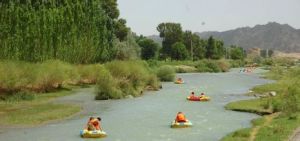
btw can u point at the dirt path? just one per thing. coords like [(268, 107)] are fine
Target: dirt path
[(295, 136), (255, 130)]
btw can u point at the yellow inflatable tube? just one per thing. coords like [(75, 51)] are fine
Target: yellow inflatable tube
[(92, 134), (186, 124)]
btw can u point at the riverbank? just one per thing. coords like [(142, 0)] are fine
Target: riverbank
[(37, 111), (280, 112)]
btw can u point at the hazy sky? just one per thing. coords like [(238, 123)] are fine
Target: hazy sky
[(143, 16)]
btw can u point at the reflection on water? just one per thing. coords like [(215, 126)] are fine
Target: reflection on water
[(148, 118)]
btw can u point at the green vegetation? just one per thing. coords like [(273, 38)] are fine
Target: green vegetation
[(76, 32), (35, 111), (240, 135), (166, 73), (283, 109), (253, 106), (182, 45), (48, 76), (149, 48), (179, 51), (237, 53), (279, 129), (119, 79), (199, 66)]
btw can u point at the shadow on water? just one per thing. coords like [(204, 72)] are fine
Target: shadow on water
[(148, 118)]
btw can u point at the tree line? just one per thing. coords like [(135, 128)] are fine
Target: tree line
[(91, 31), (86, 31), (182, 45)]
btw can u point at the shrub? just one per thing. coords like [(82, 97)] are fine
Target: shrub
[(185, 69), (201, 67), (51, 74), (126, 78), (89, 73), (166, 73), (236, 63), (14, 76), (19, 96), (213, 66), (224, 65), (107, 86)]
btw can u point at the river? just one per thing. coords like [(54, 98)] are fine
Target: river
[(148, 118)]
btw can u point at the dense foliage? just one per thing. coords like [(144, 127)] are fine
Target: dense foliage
[(149, 48), (119, 79), (195, 47), (236, 53), (72, 31)]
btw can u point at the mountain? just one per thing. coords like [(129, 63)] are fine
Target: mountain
[(281, 37)]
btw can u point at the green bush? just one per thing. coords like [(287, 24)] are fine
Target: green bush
[(14, 76), (107, 87), (236, 63), (19, 96), (39, 77), (224, 65), (213, 66), (166, 73), (202, 67), (89, 73), (126, 78), (51, 74)]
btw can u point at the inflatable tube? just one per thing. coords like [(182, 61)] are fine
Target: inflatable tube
[(179, 82), (196, 98), (92, 134), (186, 124)]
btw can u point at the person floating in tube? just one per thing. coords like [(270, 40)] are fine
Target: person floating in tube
[(180, 117)]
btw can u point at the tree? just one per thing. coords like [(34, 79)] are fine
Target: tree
[(171, 33), (220, 50), (111, 8), (236, 52), (149, 48), (179, 51), (121, 30), (210, 47), (194, 45), (214, 48), (73, 31), (199, 49), (128, 49)]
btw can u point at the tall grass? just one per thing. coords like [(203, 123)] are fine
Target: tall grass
[(89, 74), (166, 73), (287, 87), (286, 104), (122, 78), (16, 76), (204, 65)]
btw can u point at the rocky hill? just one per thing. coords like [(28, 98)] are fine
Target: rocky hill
[(281, 37)]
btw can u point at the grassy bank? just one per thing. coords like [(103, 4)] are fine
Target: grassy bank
[(48, 76), (204, 65), (36, 111), (281, 112), (119, 79)]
